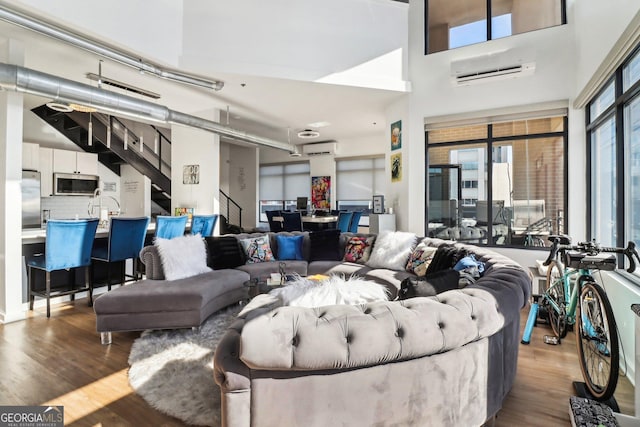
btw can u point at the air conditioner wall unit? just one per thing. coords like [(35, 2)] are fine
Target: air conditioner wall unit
[(320, 148), (492, 75)]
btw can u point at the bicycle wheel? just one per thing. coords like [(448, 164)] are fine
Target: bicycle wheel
[(597, 340), (557, 319)]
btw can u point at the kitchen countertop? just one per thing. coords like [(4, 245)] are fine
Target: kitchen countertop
[(38, 235)]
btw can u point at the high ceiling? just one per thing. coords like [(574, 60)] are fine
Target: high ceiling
[(264, 106)]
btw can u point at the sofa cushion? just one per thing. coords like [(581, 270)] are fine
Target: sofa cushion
[(446, 257), (289, 247), (348, 269), (391, 250), (390, 278), (325, 245), (183, 256), (257, 249), (223, 252), (358, 249), (420, 258), (321, 267)]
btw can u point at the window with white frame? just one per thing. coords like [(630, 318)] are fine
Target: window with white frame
[(357, 181), (281, 185)]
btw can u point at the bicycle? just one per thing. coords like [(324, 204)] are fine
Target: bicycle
[(573, 293)]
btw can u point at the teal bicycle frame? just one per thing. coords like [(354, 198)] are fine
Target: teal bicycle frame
[(569, 277)]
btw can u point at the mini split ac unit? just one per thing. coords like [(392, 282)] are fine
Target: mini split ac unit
[(320, 148), (491, 67)]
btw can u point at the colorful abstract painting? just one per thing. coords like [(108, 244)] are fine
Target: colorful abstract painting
[(321, 192)]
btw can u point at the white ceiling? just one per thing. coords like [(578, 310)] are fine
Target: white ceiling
[(258, 105)]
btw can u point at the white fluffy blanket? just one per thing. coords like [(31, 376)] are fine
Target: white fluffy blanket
[(332, 291)]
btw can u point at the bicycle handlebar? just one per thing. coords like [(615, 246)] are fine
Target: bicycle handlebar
[(593, 248)]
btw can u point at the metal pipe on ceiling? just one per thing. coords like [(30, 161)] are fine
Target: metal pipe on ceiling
[(21, 79), (49, 29)]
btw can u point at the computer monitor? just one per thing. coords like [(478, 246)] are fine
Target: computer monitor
[(301, 203)]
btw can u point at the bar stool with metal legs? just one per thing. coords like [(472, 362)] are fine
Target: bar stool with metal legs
[(68, 246), (126, 239), (168, 227), (203, 224)]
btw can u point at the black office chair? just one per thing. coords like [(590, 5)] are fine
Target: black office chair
[(274, 226), (292, 221)]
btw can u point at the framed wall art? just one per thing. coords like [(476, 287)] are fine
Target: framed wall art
[(321, 192), (396, 135), (396, 167)]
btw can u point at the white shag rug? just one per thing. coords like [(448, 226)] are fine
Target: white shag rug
[(173, 370), (334, 290)]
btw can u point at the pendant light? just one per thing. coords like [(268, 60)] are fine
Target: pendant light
[(90, 132), (109, 132)]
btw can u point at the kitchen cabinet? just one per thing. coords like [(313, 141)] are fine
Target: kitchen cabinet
[(79, 162), (30, 156), (46, 171)]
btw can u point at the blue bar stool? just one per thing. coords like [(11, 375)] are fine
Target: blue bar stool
[(203, 224), (168, 227), (67, 246), (126, 239), (355, 220), (344, 220)]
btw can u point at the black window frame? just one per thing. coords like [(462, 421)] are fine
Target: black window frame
[(489, 141), (615, 110), (563, 17)]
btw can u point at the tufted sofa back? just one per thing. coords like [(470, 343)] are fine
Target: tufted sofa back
[(344, 336)]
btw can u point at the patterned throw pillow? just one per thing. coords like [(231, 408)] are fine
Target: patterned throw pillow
[(358, 249), (257, 249), (420, 259)]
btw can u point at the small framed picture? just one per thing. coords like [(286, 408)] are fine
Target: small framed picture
[(378, 204)]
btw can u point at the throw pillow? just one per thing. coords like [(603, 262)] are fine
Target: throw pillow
[(392, 249), (429, 285), (223, 252), (289, 247), (257, 249), (420, 259), (182, 257), (325, 245), (358, 249)]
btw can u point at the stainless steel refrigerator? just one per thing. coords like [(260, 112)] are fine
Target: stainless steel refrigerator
[(31, 199)]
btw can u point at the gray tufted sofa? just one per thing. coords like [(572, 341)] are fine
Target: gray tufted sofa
[(447, 360)]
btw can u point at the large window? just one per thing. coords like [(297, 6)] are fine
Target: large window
[(281, 185), (613, 135), (358, 180), (456, 23), (499, 184)]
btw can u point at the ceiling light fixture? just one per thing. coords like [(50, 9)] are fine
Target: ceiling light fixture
[(318, 124), (126, 138), (83, 108), (60, 107), (141, 143), (109, 133), (308, 134)]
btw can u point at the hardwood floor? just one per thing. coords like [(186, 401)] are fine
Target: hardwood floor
[(61, 361)]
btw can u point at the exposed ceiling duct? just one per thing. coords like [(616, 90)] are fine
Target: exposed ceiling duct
[(23, 20), (20, 79)]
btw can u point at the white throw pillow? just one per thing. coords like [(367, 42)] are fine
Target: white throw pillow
[(183, 256), (391, 250)]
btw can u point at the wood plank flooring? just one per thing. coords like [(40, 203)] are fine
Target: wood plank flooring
[(61, 361)]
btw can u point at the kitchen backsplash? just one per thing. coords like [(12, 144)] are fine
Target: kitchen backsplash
[(66, 207)]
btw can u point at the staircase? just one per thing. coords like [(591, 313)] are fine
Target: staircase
[(152, 159)]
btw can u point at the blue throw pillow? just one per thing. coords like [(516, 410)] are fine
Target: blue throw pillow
[(289, 247)]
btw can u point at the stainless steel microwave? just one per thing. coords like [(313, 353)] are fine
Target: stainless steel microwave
[(73, 184)]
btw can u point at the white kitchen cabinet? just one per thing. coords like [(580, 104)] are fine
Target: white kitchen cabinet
[(80, 162), (382, 222), (46, 171), (30, 156)]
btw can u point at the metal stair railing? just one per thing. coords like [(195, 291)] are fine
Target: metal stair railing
[(231, 209)]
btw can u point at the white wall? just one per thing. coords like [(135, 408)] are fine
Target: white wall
[(191, 146), (242, 174), (598, 25)]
